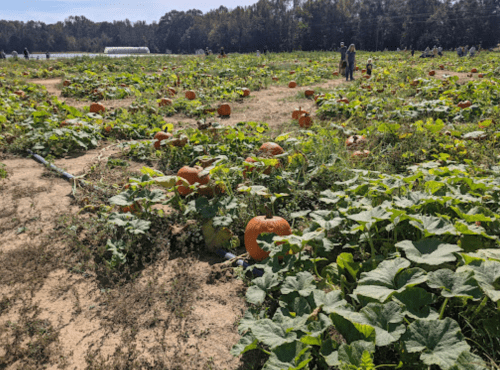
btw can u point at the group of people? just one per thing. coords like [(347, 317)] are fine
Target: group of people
[(462, 51), (347, 63), (222, 53), (25, 52)]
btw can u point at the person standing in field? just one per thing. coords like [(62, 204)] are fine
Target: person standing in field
[(26, 53), (472, 51), (2, 55), (342, 64), (369, 67), (14, 54), (47, 55), (222, 53), (412, 51), (351, 62)]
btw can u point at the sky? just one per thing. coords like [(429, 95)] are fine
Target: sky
[(52, 11)]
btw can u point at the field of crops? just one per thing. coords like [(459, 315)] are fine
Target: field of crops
[(370, 206)]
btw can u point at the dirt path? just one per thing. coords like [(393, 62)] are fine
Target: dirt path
[(178, 314)]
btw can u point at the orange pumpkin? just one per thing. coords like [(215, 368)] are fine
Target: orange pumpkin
[(464, 104), (292, 72), (363, 71), (160, 136), (66, 83), (335, 73), (357, 68), (96, 108), (26, 73), (292, 84), (432, 73), (360, 154), (180, 141), (318, 96), (191, 175), (473, 70), (366, 76), (343, 100), (305, 121), (20, 93), (246, 92), (190, 94), (481, 75), (264, 224), (441, 67), (164, 102), (224, 110), (171, 91), (308, 93), (270, 148), (275, 78), (297, 112)]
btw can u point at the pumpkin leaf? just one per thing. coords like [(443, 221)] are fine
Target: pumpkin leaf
[(417, 303), (302, 283), (429, 252), (487, 275), (216, 238), (469, 361), (246, 343), (271, 334), (455, 284), (358, 354), (440, 342), (291, 356)]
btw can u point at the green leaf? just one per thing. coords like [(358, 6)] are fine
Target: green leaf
[(329, 302), (329, 352), (455, 284), (487, 274), (431, 225), (302, 283), (388, 278), (257, 293), (290, 356), (386, 319), (216, 238), (440, 341), (345, 262), (123, 199), (417, 303), (272, 334), (429, 252), (469, 361), (168, 182), (352, 330), (246, 343), (354, 353)]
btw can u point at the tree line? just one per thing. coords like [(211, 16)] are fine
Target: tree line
[(279, 25)]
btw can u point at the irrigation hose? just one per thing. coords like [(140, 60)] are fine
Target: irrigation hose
[(69, 177), (239, 262)]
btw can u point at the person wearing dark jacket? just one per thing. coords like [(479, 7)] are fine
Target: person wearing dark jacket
[(351, 62), (369, 67), (222, 51), (265, 50), (26, 53), (47, 55), (342, 64), (2, 55)]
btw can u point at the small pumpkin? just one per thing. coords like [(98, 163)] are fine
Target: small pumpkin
[(171, 91), (50, 69), (308, 93), (355, 141), (473, 70), (360, 154), (292, 84), (246, 91), (481, 75), (464, 104), (335, 73), (160, 136), (179, 141), (164, 102), (363, 71), (292, 72), (357, 68), (190, 94), (271, 149), (367, 77), (343, 100), (96, 108), (224, 110), (441, 67), (297, 112), (20, 93), (26, 73), (305, 121), (432, 73), (191, 175), (66, 83), (275, 78), (264, 224)]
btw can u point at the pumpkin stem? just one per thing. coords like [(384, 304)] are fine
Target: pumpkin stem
[(269, 212)]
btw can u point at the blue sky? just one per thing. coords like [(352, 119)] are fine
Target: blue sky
[(52, 11)]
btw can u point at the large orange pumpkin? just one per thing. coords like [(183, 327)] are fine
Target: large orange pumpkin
[(191, 174), (292, 84), (224, 110), (190, 94), (263, 224), (270, 148), (96, 108), (159, 136)]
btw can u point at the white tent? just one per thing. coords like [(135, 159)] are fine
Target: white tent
[(126, 50)]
